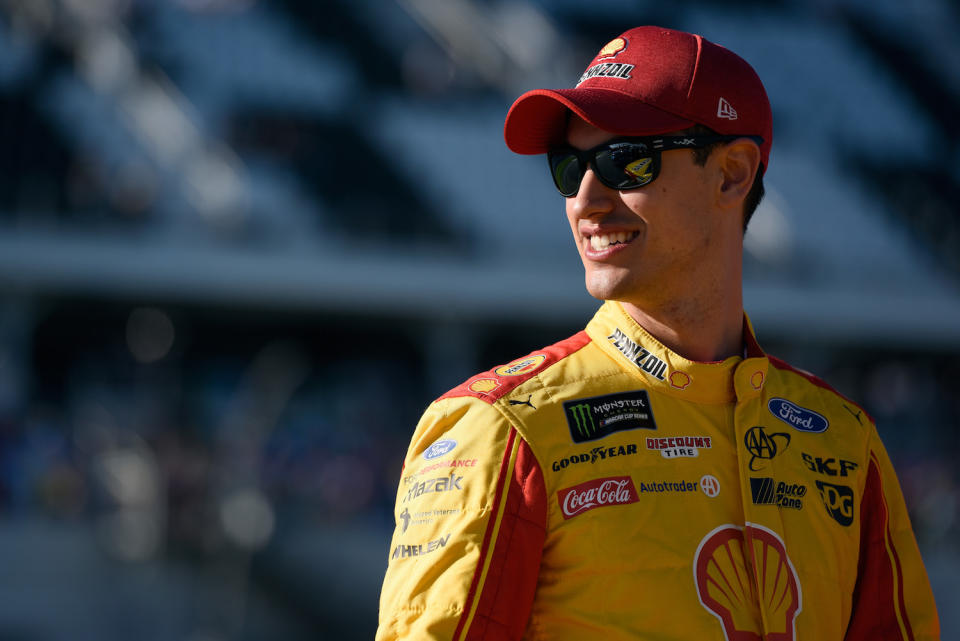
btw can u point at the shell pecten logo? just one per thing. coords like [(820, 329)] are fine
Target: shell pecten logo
[(679, 379), (612, 48), (521, 366), (484, 385), (738, 572)]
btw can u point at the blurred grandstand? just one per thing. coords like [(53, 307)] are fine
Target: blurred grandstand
[(243, 244)]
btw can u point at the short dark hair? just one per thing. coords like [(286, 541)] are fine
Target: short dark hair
[(700, 155)]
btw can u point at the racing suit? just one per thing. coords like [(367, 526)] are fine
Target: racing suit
[(606, 487)]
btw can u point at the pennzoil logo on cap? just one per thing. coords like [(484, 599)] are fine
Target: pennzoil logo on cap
[(618, 70), (612, 48)]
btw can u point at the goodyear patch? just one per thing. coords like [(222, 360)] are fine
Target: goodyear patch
[(594, 418)]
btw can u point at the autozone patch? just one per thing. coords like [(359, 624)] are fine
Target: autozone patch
[(593, 418)]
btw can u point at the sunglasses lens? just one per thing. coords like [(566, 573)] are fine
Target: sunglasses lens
[(625, 165), (566, 171)]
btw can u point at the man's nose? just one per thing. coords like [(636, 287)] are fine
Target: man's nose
[(592, 198)]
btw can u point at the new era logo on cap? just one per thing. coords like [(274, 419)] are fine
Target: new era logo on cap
[(726, 110)]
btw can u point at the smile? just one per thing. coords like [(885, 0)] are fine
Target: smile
[(600, 242)]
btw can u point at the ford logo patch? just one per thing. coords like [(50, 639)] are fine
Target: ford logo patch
[(799, 418), (442, 447)]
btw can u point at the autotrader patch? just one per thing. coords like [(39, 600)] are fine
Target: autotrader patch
[(594, 418)]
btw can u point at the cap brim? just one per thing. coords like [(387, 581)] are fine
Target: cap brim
[(537, 120)]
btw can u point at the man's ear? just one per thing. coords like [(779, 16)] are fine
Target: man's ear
[(739, 163)]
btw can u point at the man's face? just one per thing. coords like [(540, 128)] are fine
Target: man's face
[(644, 246)]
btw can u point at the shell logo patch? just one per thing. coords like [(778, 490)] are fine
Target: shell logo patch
[(679, 379), (738, 573), (612, 48), (483, 385), (521, 366)]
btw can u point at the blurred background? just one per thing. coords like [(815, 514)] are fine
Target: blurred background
[(243, 244)]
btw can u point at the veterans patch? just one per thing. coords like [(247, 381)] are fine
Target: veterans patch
[(594, 418)]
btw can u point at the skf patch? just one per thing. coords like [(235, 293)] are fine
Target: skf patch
[(593, 418), (828, 466)]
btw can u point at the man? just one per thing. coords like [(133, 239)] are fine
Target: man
[(656, 476)]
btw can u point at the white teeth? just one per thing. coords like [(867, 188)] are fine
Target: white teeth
[(602, 241)]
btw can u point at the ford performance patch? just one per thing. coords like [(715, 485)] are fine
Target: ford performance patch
[(593, 418)]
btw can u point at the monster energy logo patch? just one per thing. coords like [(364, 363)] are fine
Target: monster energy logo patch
[(638, 355), (599, 416)]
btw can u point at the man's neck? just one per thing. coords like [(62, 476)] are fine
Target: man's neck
[(706, 334)]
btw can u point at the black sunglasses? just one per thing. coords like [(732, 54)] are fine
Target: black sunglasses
[(622, 163)]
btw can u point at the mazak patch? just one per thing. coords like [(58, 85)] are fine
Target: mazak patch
[(594, 418)]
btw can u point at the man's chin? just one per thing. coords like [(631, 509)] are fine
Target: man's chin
[(601, 287)]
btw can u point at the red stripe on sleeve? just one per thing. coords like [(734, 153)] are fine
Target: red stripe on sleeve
[(874, 613), (507, 593)]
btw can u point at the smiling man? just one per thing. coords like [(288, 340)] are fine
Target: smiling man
[(657, 475)]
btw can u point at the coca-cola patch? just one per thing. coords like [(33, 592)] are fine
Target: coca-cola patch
[(614, 490)]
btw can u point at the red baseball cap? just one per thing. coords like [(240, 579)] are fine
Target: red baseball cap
[(649, 81)]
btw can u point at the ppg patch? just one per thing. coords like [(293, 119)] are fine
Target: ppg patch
[(594, 418)]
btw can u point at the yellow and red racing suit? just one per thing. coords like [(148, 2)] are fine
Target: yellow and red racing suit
[(605, 487)]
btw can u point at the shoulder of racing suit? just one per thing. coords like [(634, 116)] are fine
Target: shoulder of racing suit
[(495, 384)]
